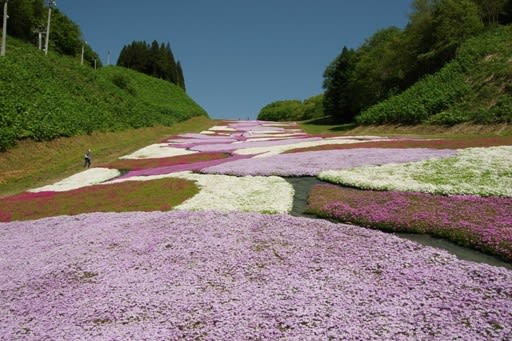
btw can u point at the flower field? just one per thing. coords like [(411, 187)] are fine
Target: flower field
[(191, 238), (482, 223), (207, 275), (157, 195), (313, 163), (480, 171)]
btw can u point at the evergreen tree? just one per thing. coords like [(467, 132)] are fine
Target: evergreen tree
[(156, 60), (181, 78), (336, 101)]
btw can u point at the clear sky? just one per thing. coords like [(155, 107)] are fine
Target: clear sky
[(239, 55)]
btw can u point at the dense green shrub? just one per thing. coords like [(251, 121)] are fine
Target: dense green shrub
[(313, 107), (44, 97), (293, 110), (287, 110), (474, 87)]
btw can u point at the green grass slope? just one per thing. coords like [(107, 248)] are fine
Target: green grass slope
[(475, 87), (44, 97)]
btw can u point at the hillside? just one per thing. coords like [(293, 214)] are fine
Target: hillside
[(44, 97), (474, 87)]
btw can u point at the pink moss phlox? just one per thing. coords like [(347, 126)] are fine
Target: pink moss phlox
[(312, 163), (205, 275), (29, 195), (484, 223), (199, 142), (195, 166), (253, 144)]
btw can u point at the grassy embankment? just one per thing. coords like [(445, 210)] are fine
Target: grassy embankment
[(45, 97), (31, 164), (52, 109), (471, 95), (462, 130)]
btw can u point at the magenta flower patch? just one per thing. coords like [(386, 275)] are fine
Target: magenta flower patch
[(183, 275), (483, 223), (195, 166)]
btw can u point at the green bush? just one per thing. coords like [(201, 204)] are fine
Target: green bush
[(293, 110), (287, 110), (474, 87), (44, 97)]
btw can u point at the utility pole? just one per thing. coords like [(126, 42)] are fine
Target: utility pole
[(39, 31), (39, 40), (4, 30), (50, 4), (82, 56)]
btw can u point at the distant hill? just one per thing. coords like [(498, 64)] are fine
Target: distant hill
[(475, 87), (44, 97)]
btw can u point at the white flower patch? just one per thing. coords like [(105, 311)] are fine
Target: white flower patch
[(91, 176), (279, 124), (264, 194), (256, 139), (275, 150), (274, 135), (360, 137), (479, 171), (230, 193), (158, 150), (221, 128)]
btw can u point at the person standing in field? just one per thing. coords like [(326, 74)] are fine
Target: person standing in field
[(87, 158)]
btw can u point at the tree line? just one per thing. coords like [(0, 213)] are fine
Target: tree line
[(27, 20), (393, 59), (153, 59)]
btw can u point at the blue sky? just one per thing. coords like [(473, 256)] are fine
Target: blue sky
[(239, 55)]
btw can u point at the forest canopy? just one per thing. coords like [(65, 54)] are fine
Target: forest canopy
[(27, 21), (394, 59)]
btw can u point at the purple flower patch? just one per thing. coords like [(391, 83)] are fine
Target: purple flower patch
[(206, 275), (312, 163), (195, 166)]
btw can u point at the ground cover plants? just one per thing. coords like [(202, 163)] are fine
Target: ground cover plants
[(220, 257), (32, 164), (156, 195), (313, 163), (211, 275), (230, 193), (483, 223), (436, 143), (480, 171), (137, 164)]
